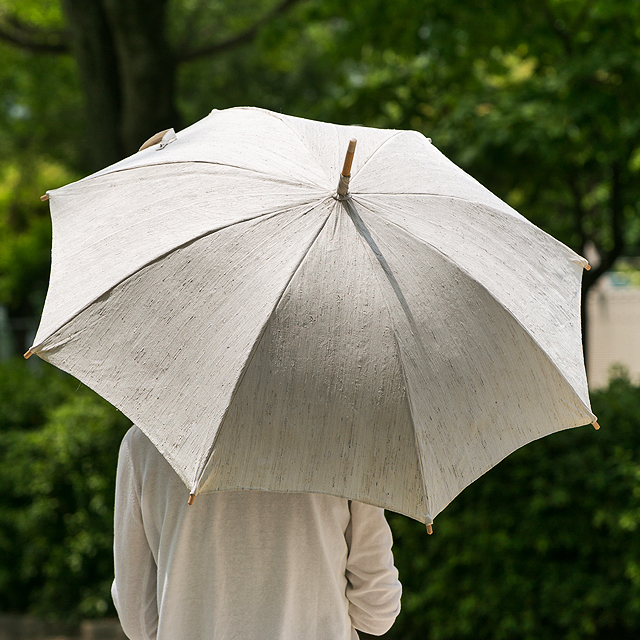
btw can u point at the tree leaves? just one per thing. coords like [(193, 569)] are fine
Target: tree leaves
[(58, 450), (544, 545)]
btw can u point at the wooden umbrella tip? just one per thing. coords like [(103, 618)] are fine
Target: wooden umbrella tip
[(587, 267), (192, 497), (45, 197), (430, 529), (28, 354), (343, 184), (596, 426), (348, 160)]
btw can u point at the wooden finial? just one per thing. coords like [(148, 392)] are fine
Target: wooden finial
[(430, 529), (596, 426), (45, 197), (28, 354), (587, 267), (192, 497), (343, 184), (348, 159)]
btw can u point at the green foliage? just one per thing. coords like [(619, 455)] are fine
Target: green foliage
[(41, 113), (538, 100), (25, 240), (58, 452), (544, 546)]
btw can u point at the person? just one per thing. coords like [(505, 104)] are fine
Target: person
[(250, 565)]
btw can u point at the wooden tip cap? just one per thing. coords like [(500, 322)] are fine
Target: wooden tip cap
[(28, 354), (596, 426), (45, 197), (430, 529), (348, 160), (192, 497)]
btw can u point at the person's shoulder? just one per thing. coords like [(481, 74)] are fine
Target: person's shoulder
[(137, 443)]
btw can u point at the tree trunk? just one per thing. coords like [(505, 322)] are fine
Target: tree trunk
[(94, 51), (127, 70), (608, 259), (147, 69)]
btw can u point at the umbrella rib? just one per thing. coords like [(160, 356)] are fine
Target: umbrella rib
[(297, 135), (335, 126), (494, 210), (389, 139), (429, 519), (470, 276), (370, 244), (100, 174), (203, 465), (36, 348), (274, 211)]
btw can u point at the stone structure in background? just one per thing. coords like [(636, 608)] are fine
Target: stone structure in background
[(614, 328)]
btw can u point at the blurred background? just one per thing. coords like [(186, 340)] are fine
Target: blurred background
[(537, 99)]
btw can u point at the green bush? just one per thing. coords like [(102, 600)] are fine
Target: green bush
[(543, 546), (58, 451)]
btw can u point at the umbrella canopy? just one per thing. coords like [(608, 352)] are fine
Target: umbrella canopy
[(389, 345)]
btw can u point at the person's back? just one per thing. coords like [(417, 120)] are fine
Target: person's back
[(250, 565)]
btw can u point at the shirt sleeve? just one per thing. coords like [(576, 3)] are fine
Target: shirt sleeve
[(373, 588), (134, 587)]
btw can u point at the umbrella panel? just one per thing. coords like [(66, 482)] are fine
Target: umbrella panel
[(479, 385), (323, 405), (167, 345), (334, 350), (227, 320)]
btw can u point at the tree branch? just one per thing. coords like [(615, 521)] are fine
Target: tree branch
[(578, 210), (582, 16), (15, 22), (190, 29), (608, 259), (32, 38), (558, 30), (244, 37)]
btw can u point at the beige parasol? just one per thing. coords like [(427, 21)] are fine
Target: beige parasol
[(271, 325)]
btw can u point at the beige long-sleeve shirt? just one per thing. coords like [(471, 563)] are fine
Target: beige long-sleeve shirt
[(245, 565)]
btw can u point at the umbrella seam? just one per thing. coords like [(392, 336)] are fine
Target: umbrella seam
[(511, 315), (100, 174), (277, 210), (207, 459), (519, 217), (36, 348), (366, 162), (370, 250), (423, 481), (397, 133), (279, 117)]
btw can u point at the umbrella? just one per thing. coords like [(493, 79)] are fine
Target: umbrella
[(385, 333)]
